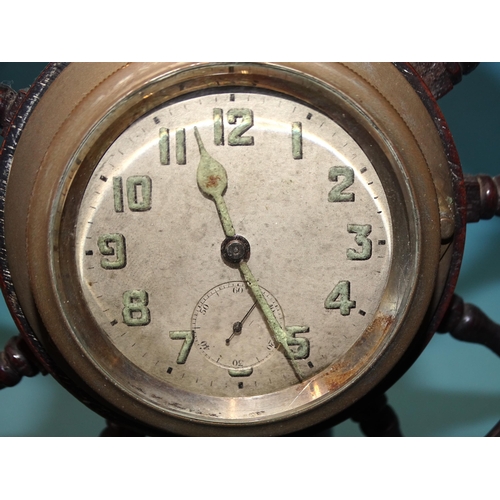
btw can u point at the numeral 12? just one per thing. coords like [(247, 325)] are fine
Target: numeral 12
[(236, 137)]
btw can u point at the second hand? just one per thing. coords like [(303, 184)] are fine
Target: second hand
[(238, 326)]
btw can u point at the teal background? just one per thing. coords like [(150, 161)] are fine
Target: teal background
[(452, 390)]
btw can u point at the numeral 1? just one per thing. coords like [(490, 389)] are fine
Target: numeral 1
[(218, 127), (297, 140)]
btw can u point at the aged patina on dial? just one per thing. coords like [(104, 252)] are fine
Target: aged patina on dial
[(148, 242), (224, 248)]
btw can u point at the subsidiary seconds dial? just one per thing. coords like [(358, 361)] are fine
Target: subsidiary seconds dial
[(237, 345)]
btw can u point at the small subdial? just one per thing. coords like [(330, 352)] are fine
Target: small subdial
[(244, 340)]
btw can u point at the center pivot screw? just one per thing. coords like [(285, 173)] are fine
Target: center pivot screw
[(235, 249)]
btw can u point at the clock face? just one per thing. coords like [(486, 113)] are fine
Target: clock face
[(220, 249), (303, 194)]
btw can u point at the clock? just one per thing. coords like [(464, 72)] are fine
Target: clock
[(231, 249)]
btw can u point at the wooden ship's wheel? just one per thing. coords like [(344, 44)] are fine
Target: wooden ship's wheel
[(401, 390)]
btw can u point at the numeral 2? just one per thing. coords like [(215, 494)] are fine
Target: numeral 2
[(337, 192)]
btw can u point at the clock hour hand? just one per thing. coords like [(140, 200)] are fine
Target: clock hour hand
[(211, 177), (212, 181)]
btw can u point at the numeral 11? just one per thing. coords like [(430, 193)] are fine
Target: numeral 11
[(180, 146)]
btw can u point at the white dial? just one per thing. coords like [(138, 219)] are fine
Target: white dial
[(299, 189)]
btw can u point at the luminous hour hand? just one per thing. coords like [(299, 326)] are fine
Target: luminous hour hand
[(212, 181)]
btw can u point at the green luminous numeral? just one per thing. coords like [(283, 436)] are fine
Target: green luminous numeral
[(362, 232), (340, 298), (139, 188), (118, 194), (188, 337), (164, 143), (302, 352), (218, 127), (297, 140), (139, 193), (235, 137), (245, 372), (337, 192), (118, 250), (135, 311), (180, 146)]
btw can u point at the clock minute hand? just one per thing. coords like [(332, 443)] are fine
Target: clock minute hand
[(278, 332)]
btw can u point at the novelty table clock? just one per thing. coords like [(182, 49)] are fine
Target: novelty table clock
[(234, 248)]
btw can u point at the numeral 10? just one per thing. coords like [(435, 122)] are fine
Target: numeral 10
[(138, 191)]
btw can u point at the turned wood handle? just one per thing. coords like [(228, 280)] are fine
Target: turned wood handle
[(15, 363), (468, 323), (483, 197)]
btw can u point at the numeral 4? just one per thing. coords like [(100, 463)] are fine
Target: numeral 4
[(340, 298)]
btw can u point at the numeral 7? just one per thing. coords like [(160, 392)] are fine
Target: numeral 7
[(188, 337)]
